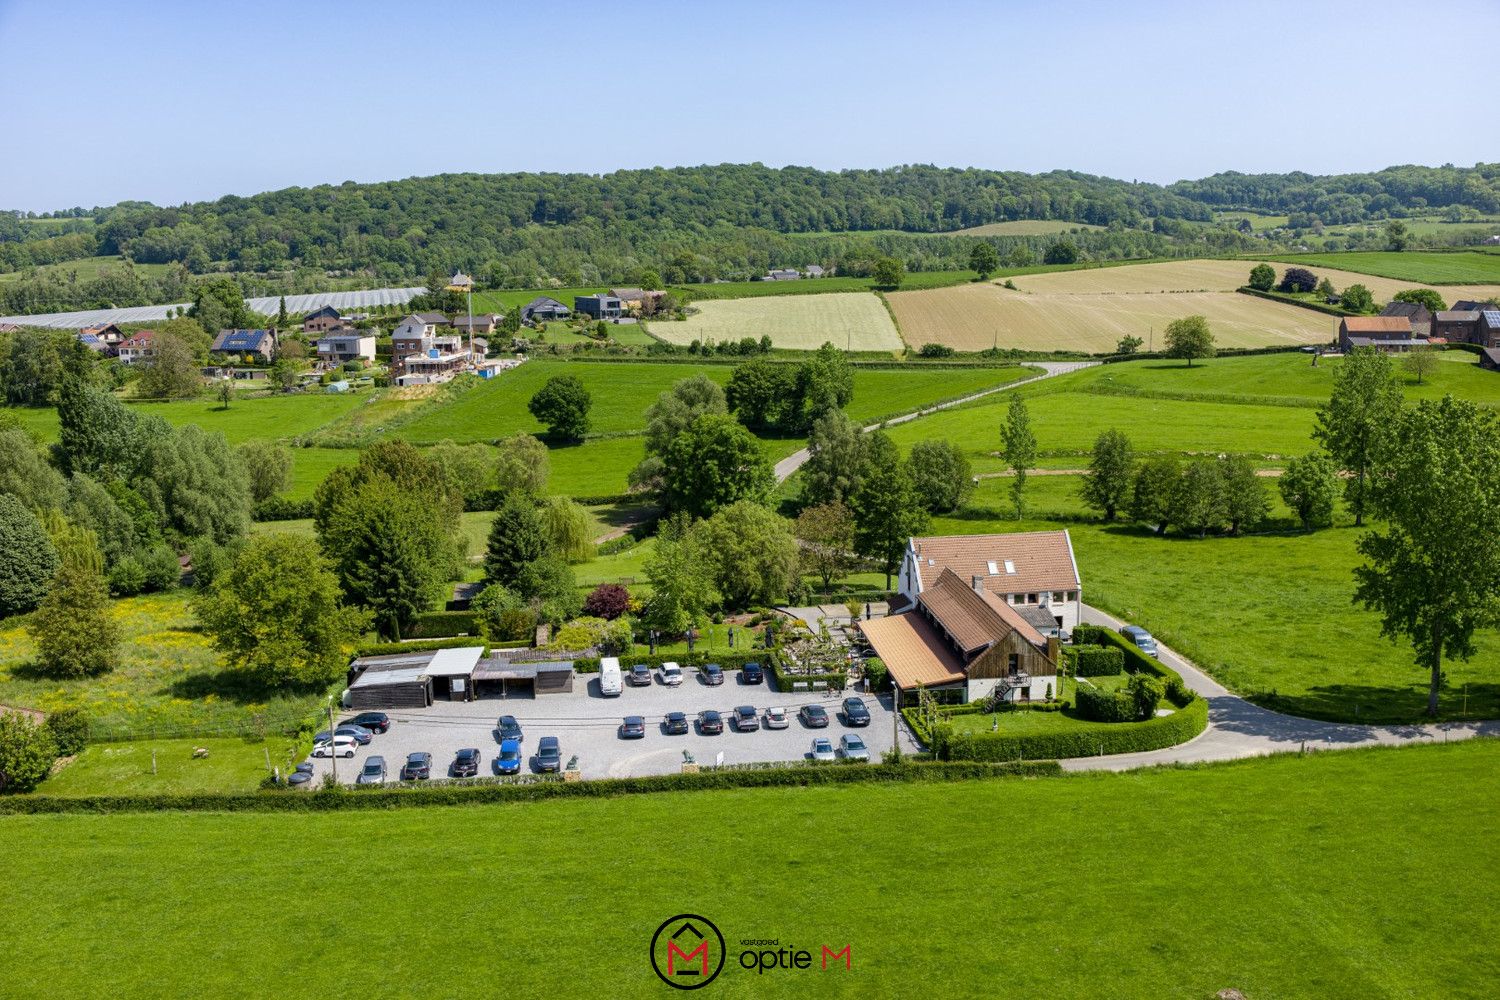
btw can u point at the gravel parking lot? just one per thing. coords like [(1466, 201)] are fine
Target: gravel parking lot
[(587, 724)]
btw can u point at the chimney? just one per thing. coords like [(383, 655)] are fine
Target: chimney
[(977, 582)]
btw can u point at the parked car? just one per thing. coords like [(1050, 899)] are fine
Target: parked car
[(640, 676), (609, 677), (851, 747), (339, 746), (375, 722), (814, 716), (359, 734), (466, 763), (776, 718), (746, 719), (373, 772), (710, 723), (855, 712), (671, 674), (633, 728), (822, 749), (509, 761), (751, 673), (548, 754), (1140, 639), (675, 724), (713, 674), (509, 729), (418, 766)]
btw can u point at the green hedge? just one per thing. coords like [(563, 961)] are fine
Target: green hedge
[(1097, 661), (283, 509), (1137, 662), (443, 624), (486, 790), (421, 646), (729, 661), (1292, 300), (1086, 739), (1084, 634)]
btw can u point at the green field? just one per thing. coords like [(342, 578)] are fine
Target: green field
[(232, 765), (88, 268), (855, 321), (1283, 877), (1470, 267), (277, 417)]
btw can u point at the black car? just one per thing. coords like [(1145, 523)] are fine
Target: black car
[(418, 767), (746, 719), (675, 724), (639, 676), (751, 673), (855, 712), (508, 728), (710, 723), (375, 722), (813, 717), (548, 754), (466, 763), (633, 728), (713, 674)]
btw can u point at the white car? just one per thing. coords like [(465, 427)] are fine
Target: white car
[(822, 749), (671, 674), (339, 746), (776, 718), (853, 748)]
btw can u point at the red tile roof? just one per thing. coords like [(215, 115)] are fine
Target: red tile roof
[(1041, 560), (913, 651), (1377, 324)]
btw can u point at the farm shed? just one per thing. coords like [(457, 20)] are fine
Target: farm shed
[(451, 672), (402, 687), (497, 678)]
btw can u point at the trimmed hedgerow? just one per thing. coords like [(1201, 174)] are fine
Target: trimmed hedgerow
[(1086, 739), (423, 646), (1084, 634), (442, 624), (480, 791), (283, 509), (1097, 661)]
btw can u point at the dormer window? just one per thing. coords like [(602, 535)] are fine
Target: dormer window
[(1010, 567), (993, 568)]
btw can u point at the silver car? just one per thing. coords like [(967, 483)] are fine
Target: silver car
[(373, 772), (671, 674), (822, 749), (851, 747), (776, 718)]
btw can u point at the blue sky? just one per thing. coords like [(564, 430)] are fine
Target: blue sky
[(172, 101)]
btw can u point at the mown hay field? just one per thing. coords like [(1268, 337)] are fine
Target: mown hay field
[(1090, 310), (851, 320)]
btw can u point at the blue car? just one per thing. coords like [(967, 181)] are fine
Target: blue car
[(1139, 638), (509, 761)]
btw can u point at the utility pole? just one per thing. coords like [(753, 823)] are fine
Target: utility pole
[(333, 742)]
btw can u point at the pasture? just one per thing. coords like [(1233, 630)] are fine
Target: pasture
[(854, 321), (1289, 876), (1426, 267)]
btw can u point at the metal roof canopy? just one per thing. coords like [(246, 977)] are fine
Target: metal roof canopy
[(454, 662), (503, 670), (382, 678)]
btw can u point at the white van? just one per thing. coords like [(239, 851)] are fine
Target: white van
[(610, 684)]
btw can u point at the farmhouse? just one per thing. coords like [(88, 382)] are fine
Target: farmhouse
[(1385, 333), (1419, 316), (108, 334), (259, 344), (600, 306), (782, 274), (141, 346), (961, 637), (1457, 326), (1490, 358), (342, 345), (544, 309), (1032, 570), (814, 270), (322, 320), (92, 342), (484, 323)]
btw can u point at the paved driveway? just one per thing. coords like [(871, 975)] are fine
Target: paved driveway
[(587, 724)]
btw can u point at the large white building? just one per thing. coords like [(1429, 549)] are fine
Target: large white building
[(1032, 571)]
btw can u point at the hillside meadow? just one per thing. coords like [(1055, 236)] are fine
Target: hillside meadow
[(1469, 267), (856, 321), (1282, 877)]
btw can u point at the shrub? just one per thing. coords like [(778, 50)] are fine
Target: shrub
[(936, 351), (283, 509), (27, 751), (439, 624), (876, 673), (1088, 635), (70, 730), (127, 577), (1145, 693), (1086, 739), (608, 601), (1097, 661)]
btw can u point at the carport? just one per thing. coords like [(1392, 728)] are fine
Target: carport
[(451, 672), (496, 678), (405, 687)]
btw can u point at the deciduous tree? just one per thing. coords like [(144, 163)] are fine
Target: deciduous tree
[(1198, 498), (1152, 492), (1422, 296), (27, 751), (750, 553), (1308, 486), (1421, 362), (1357, 299), (984, 259), (835, 459), (1433, 571), (1245, 500), (714, 463), (27, 558), (562, 403), (74, 633), (1263, 277), (1189, 338), (1107, 486), (940, 473), (826, 532), (1354, 425), (889, 272), (1020, 449), (887, 508), (268, 467)]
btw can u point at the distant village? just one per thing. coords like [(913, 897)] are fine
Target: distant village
[(1402, 326)]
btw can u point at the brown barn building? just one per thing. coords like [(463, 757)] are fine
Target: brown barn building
[(1419, 315), (1385, 333)]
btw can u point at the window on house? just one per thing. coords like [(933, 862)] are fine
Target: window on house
[(1010, 567), (1058, 596), (1072, 595), (1014, 664), (1030, 598), (992, 567)]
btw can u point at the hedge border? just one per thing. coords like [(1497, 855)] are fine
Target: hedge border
[(1087, 739), (398, 796)]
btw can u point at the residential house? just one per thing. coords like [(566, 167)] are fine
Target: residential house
[(600, 306), (1487, 333), (1416, 313), (1457, 326), (483, 323), (109, 335), (139, 347), (433, 365), (543, 310), (964, 638), (322, 320), (1028, 569), (259, 344), (1386, 333), (419, 325), (345, 344), (1467, 305), (92, 342), (814, 271), (10, 328), (783, 274), (1490, 358)]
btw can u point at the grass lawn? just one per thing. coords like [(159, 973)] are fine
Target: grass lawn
[(232, 765), (1282, 877), (168, 682), (310, 466), (1469, 267), (278, 417)]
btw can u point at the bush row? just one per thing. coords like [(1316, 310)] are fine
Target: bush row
[(1292, 300), (729, 661), (512, 790), (422, 646), (283, 509), (1085, 739), (1096, 661), (442, 624)]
